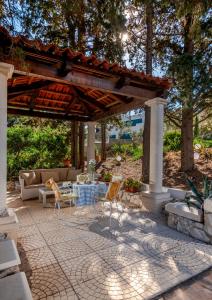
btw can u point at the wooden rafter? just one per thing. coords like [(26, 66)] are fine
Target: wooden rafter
[(89, 100), (48, 115)]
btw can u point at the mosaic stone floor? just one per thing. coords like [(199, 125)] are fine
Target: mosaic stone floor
[(75, 255)]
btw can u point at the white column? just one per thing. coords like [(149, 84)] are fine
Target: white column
[(91, 141), (156, 144), (156, 196), (6, 71)]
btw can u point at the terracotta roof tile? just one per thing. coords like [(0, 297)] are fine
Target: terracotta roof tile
[(79, 58)]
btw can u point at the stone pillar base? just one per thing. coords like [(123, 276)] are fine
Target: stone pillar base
[(153, 202), (9, 225)]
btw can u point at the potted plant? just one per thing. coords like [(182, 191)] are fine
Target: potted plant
[(131, 185), (106, 177), (97, 156), (67, 157), (67, 161)]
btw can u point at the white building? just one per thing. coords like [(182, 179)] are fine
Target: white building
[(132, 124)]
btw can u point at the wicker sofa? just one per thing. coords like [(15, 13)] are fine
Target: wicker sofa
[(32, 180)]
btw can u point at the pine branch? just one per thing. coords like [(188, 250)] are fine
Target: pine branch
[(205, 118), (173, 120)]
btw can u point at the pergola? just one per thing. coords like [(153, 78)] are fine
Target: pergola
[(50, 82)]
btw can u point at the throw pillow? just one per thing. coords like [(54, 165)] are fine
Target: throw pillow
[(49, 174), (29, 178)]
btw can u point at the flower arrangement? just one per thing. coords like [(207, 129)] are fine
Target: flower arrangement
[(92, 168), (92, 165), (131, 185)]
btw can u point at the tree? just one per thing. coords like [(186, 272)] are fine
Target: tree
[(184, 50), (92, 27), (146, 133), (181, 50)]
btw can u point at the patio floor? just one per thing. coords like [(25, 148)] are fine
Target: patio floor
[(75, 256)]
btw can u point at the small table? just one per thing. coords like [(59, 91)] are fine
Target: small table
[(87, 192), (43, 192)]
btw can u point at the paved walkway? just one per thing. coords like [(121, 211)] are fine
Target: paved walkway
[(76, 256)]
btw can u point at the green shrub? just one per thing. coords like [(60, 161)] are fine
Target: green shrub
[(172, 141), (203, 142), (131, 150), (137, 153), (35, 147)]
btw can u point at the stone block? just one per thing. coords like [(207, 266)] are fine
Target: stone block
[(177, 193), (208, 223), (9, 225), (189, 227), (208, 205), (154, 202), (15, 287), (182, 209), (199, 234), (8, 255)]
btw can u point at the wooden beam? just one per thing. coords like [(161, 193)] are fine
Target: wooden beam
[(71, 102), (46, 115), (87, 81), (19, 89), (120, 108)]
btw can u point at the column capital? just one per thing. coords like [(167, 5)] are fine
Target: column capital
[(6, 70), (156, 101), (91, 123)]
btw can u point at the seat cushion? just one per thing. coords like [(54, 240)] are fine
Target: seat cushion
[(72, 174), (50, 174), (34, 186)]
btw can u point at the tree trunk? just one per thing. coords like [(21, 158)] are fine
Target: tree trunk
[(146, 133), (81, 146), (74, 144), (187, 157), (103, 141)]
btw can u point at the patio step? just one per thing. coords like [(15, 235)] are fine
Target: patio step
[(15, 287), (9, 256)]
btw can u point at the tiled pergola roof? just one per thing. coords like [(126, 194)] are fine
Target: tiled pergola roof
[(53, 82)]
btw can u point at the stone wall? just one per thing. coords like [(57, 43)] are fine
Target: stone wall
[(190, 227)]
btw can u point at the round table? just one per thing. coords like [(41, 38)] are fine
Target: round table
[(87, 192)]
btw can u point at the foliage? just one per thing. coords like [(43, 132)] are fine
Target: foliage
[(172, 141), (87, 26), (132, 184), (181, 50), (35, 147), (197, 198), (203, 142), (133, 150), (106, 176)]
